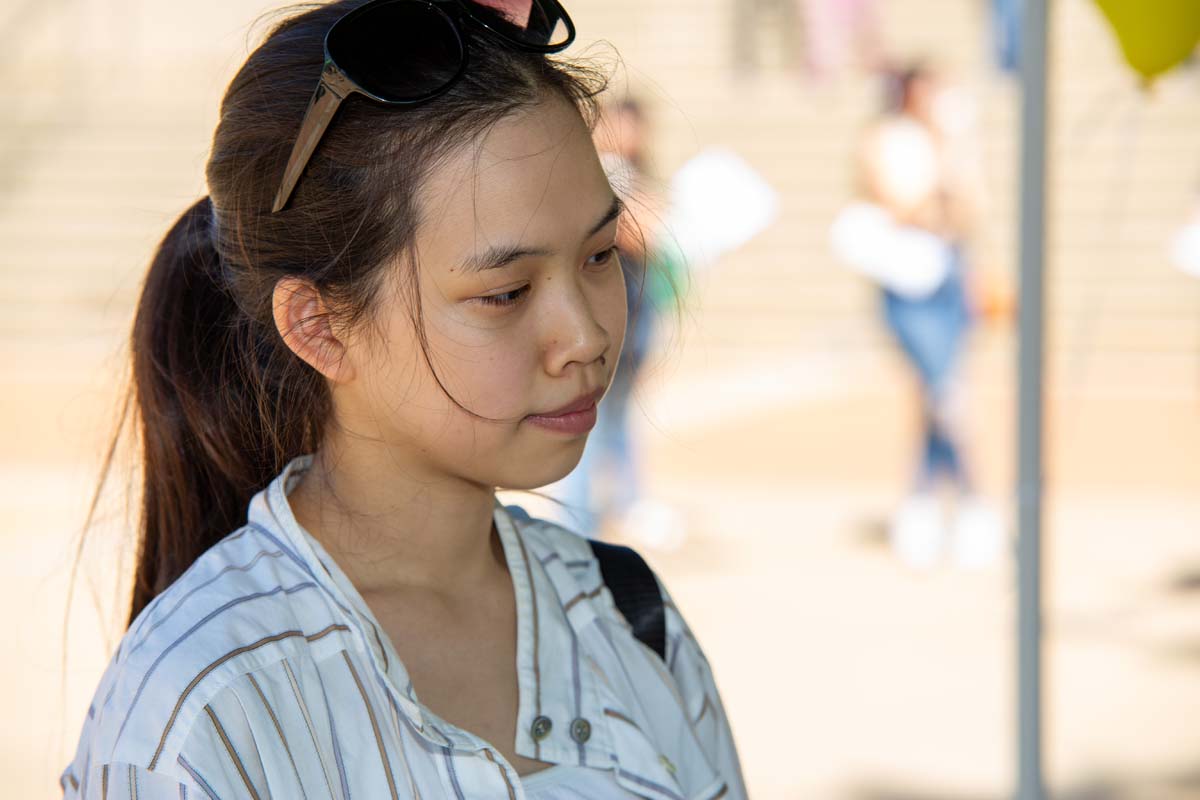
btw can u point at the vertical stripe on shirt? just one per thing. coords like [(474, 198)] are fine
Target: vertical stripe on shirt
[(449, 754), (278, 728), (511, 794), (537, 675), (312, 733), (197, 777), (233, 755), (236, 652), (337, 747), (387, 766), (179, 640)]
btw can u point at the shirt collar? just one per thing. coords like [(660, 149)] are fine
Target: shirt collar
[(553, 678)]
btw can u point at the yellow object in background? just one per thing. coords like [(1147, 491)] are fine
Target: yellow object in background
[(1155, 35)]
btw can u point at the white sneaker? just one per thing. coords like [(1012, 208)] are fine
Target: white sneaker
[(978, 534), (918, 531)]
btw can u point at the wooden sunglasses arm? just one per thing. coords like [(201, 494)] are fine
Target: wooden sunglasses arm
[(326, 100)]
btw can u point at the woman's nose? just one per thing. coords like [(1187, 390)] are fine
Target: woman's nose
[(576, 332)]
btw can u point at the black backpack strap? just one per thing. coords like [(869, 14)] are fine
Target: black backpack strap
[(635, 591)]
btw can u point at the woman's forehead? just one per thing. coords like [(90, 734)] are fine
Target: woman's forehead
[(533, 180)]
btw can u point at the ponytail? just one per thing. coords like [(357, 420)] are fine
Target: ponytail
[(211, 421)]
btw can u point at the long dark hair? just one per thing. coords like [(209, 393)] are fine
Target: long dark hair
[(218, 402)]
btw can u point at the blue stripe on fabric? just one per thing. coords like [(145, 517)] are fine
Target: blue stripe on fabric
[(197, 777), (307, 570), (189, 632), (258, 556), (386, 685), (337, 748), (578, 690), (649, 784), (449, 754)]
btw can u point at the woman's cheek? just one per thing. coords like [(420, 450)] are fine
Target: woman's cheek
[(502, 383)]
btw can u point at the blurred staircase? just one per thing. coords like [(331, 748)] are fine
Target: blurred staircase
[(115, 103)]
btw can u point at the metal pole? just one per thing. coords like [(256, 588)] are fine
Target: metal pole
[(1034, 26)]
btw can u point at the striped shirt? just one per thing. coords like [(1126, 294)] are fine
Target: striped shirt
[(262, 673)]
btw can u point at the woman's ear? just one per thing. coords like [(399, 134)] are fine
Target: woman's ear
[(304, 322)]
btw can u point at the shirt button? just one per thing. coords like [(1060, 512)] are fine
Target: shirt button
[(540, 728), (581, 730)]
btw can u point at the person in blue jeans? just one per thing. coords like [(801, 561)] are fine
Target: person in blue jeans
[(931, 331), (917, 171), (611, 451), (607, 485)]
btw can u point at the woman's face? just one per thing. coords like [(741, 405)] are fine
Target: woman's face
[(523, 302)]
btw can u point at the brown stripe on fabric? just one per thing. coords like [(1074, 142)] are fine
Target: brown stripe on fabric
[(724, 791), (511, 794), (275, 722), (132, 783), (537, 673), (162, 742), (387, 766), (312, 733), (589, 595), (104, 782), (74, 783), (237, 761), (608, 712)]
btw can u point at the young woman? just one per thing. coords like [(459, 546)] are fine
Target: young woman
[(374, 321)]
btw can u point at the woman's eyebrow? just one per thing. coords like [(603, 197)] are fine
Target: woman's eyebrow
[(613, 212), (502, 255)]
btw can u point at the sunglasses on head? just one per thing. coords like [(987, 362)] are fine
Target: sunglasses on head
[(405, 52)]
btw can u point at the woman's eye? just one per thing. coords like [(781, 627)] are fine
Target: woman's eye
[(506, 299), (603, 257)]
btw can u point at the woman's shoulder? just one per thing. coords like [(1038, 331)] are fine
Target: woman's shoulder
[(246, 602)]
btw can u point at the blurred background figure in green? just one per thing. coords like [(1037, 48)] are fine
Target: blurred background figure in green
[(604, 494)]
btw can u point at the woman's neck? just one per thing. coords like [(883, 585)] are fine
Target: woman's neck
[(391, 525)]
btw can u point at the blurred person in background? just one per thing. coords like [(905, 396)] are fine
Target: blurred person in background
[(841, 33), (604, 494), (750, 18), (919, 183)]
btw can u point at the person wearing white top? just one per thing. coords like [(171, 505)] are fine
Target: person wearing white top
[(262, 671), (400, 296)]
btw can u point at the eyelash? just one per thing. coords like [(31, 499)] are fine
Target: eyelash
[(514, 297)]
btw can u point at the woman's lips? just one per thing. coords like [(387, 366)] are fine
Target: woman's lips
[(575, 423)]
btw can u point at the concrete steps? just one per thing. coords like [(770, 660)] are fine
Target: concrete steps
[(83, 205)]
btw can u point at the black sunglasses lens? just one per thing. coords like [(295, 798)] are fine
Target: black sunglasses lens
[(398, 51), (540, 23)]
